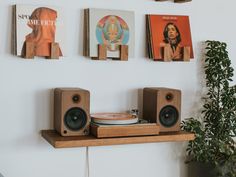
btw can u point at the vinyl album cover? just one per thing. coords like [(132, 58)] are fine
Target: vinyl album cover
[(112, 28), (169, 31), (41, 25)]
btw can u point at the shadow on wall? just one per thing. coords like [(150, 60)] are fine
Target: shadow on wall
[(43, 110), (40, 117), (1, 175), (182, 160), (195, 110), (132, 101), (201, 78), (140, 102), (179, 155)]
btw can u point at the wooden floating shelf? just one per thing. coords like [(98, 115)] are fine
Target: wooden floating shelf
[(58, 141)]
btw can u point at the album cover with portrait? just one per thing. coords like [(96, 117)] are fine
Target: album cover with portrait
[(170, 31), (41, 25), (110, 27)]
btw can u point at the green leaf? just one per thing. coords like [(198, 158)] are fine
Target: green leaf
[(216, 128)]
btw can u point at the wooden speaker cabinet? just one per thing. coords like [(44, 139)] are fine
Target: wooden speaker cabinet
[(71, 111), (163, 106)]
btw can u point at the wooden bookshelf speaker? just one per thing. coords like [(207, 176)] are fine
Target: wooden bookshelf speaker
[(71, 111), (163, 106)]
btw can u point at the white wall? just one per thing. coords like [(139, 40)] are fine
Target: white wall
[(26, 99)]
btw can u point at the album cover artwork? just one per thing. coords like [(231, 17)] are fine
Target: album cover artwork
[(112, 28), (169, 31), (40, 25)]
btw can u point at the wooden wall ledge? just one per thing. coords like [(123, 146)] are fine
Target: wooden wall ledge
[(58, 141)]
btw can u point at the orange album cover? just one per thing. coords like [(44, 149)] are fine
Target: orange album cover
[(41, 26), (170, 31)]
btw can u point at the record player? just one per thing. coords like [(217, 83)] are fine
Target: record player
[(105, 125)]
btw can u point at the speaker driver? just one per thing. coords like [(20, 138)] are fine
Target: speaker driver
[(168, 116), (75, 119), (76, 98)]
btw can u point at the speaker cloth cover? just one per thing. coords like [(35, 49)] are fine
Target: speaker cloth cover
[(75, 119), (168, 116)]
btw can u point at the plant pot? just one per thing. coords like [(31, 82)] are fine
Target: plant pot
[(197, 169)]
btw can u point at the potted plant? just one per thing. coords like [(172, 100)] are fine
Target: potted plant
[(214, 147)]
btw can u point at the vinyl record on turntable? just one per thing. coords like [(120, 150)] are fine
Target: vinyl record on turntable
[(114, 118)]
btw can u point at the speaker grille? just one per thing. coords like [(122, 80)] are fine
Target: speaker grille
[(168, 116), (75, 119)]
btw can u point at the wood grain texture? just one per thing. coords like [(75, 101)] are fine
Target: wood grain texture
[(29, 50), (103, 131), (102, 52), (186, 53), (63, 101), (155, 99), (124, 52), (112, 116), (58, 141), (54, 51), (181, 1), (86, 33), (167, 53)]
